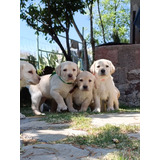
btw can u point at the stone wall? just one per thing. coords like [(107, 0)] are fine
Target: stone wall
[(126, 59)]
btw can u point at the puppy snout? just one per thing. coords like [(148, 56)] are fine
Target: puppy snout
[(102, 71), (70, 75), (85, 87), (39, 78)]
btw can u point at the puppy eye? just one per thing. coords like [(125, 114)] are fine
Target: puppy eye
[(107, 66), (65, 70), (90, 80), (30, 72), (98, 66), (74, 69), (81, 80)]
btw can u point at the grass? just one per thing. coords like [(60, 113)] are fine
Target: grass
[(103, 137), (27, 111), (122, 155), (127, 148)]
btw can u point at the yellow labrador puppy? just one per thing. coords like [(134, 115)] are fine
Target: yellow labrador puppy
[(56, 86), (106, 90), (83, 94), (28, 74)]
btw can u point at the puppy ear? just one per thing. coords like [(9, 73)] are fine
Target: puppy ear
[(112, 68), (58, 70), (75, 82), (92, 68)]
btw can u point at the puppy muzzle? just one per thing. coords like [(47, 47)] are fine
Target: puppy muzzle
[(84, 88), (103, 72)]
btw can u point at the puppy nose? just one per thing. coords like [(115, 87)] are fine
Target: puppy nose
[(85, 87), (102, 71), (39, 78), (70, 75)]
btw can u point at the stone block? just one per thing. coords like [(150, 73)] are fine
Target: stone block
[(133, 75), (107, 52)]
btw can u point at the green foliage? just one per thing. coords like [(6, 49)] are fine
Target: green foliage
[(51, 59), (51, 14), (116, 20), (51, 18), (103, 137), (31, 59), (67, 117)]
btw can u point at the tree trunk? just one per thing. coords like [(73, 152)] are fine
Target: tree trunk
[(56, 39), (92, 41), (99, 12), (67, 43), (86, 61), (67, 37)]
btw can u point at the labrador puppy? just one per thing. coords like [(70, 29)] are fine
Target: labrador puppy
[(28, 74), (106, 90), (83, 94), (55, 86)]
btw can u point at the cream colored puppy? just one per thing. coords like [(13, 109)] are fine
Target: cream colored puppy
[(56, 86), (106, 90), (83, 94), (28, 74)]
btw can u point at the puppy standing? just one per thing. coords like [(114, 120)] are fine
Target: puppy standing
[(56, 86), (28, 76), (83, 94), (106, 90)]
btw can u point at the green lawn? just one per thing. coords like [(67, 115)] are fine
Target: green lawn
[(127, 148), (27, 111)]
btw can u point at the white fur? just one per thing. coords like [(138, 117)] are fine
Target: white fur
[(82, 97), (28, 76), (106, 90), (53, 87)]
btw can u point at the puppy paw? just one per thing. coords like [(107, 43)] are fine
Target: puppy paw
[(38, 113), (110, 109), (73, 110), (97, 110), (116, 108), (58, 110), (60, 107), (82, 110)]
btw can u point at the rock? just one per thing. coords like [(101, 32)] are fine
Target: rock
[(111, 146), (22, 116), (133, 75), (35, 123), (134, 135), (100, 120), (62, 152), (50, 135)]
